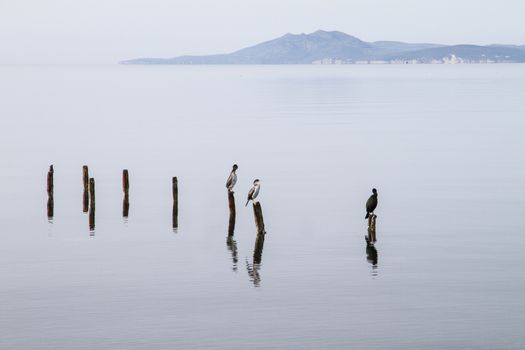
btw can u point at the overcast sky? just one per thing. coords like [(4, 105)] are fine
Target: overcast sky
[(106, 31)]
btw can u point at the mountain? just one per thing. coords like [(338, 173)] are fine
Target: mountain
[(337, 47)]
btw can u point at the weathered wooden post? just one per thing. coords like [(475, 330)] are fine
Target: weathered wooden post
[(92, 204), (372, 228), (259, 220), (125, 188), (231, 204), (85, 181), (125, 180), (175, 215), (50, 193)]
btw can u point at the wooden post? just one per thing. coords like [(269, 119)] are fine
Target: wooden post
[(125, 180), (125, 188), (374, 217), (92, 193), (92, 204), (175, 215), (372, 228), (50, 184), (85, 181), (231, 204), (50, 193), (259, 220)]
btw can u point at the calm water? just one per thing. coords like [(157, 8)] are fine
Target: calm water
[(443, 145)]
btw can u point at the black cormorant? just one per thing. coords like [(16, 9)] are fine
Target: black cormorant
[(371, 203)]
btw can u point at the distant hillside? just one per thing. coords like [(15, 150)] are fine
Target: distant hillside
[(324, 47), (467, 53)]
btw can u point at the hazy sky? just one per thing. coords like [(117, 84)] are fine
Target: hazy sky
[(106, 31)]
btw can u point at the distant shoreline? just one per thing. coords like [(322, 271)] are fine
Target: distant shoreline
[(322, 47), (320, 64)]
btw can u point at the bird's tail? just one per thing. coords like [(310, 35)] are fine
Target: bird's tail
[(367, 215), (248, 201)]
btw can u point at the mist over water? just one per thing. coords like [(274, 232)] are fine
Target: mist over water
[(442, 144)]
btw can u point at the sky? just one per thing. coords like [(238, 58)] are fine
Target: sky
[(106, 31)]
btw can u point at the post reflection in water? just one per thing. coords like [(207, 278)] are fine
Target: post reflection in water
[(125, 189), (50, 194), (50, 209), (253, 269), (257, 251), (232, 248), (125, 206), (175, 212), (175, 219), (92, 222), (371, 257), (91, 207)]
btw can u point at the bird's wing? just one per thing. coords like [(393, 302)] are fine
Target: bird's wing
[(229, 181), (255, 192), (250, 194), (371, 204)]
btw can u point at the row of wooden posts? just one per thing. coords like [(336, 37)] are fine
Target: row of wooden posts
[(89, 204), (88, 201), (257, 214), (253, 268)]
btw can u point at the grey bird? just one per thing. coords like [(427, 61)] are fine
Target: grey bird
[(232, 179), (254, 191), (371, 203)]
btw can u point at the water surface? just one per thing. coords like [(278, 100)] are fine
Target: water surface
[(442, 144)]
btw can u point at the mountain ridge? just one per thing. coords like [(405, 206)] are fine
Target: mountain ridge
[(332, 47)]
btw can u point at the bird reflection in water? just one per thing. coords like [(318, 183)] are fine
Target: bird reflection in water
[(232, 248), (253, 269), (371, 256)]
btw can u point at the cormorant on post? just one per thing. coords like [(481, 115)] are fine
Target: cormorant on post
[(232, 179), (371, 203), (254, 192)]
